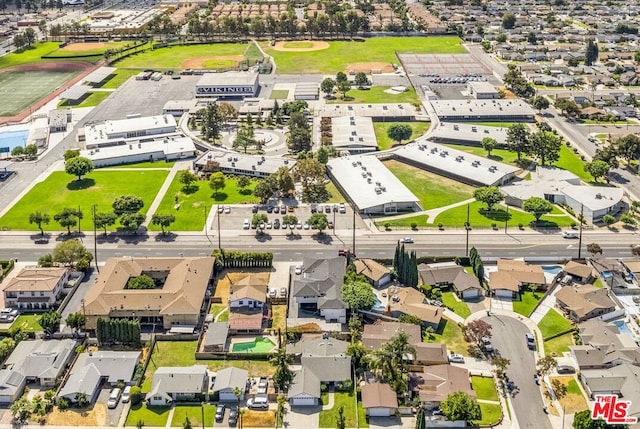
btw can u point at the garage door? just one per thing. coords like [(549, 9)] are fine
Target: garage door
[(379, 412), (468, 294), (504, 294), (304, 401), (226, 396)]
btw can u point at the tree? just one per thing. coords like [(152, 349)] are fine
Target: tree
[(68, 217), (31, 150), (343, 86), (583, 420), (361, 80), (143, 281), (69, 252), (357, 352), (243, 183), (81, 399), (217, 182), (501, 364), (21, 409), (340, 419), (399, 132), (488, 144), (628, 147), (628, 220), (490, 195), (357, 292), (594, 249), (299, 137), (39, 218), (410, 318), (476, 330), (17, 151), (540, 102), (318, 221), (591, 53), (559, 388), (6, 347), (327, 86), (546, 364), (104, 220), (29, 36), (45, 260), (245, 138), (311, 174), (341, 77), (164, 220), (537, 206), (289, 220), (78, 166), (508, 20), (50, 322), (322, 155), (187, 178), (75, 320), (227, 112), (459, 406), (135, 395), (597, 169), (131, 221), (567, 107), (283, 375), (518, 139), (71, 153), (127, 204), (546, 146), (211, 122), (259, 219)]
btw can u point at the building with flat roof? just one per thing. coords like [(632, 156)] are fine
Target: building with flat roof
[(456, 164), (237, 163), (353, 134), (371, 186), (177, 299), (483, 110), (228, 85), (35, 288), (377, 112), (467, 134), (169, 148), (483, 90), (178, 108), (58, 119), (121, 131), (306, 91)]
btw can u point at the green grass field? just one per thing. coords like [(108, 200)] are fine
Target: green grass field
[(28, 55), (459, 307), (553, 323), (500, 155), (171, 58), (450, 334), (375, 94), (151, 416), (479, 217), (432, 190), (527, 303), (558, 345), (491, 414), (572, 162), (90, 99), (28, 87), (376, 49), (70, 50), (61, 190), (346, 400), (117, 78), (190, 215), (27, 323), (485, 388), (385, 142), (148, 164), (194, 413), (335, 194), (279, 94), (420, 220)]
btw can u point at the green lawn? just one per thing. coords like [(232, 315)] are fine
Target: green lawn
[(375, 94), (553, 323), (598, 283), (28, 55), (485, 388), (70, 49), (376, 49), (491, 414), (151, 416), (420, 220), (385, 142), (479, 217), (182, 353), (172, 57), (191, 213), (90, 99), (432, 190), (118, 77), (572, 162), (61, 190), (27, 322), (499, 155), (450, 334), (335, 194), (459, 307), (526, 304), (558, 345), (147, 164), (217, 309), (328, 417), (279, 94), (194, 412)]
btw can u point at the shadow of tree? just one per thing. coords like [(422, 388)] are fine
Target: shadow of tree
[(219, 196), (77, 185), (190, 189), (168, 237), (498, 215)]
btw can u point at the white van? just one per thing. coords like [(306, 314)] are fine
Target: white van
[(114, 397), (258, 402), (570, 234)]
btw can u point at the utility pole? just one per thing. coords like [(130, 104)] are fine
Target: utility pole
[(218, 222), (353, 252), (467, 227), (206, 227), (580, 235), (95, 240), (79, 217)]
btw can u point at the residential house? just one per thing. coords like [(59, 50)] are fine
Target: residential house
[(380, 332), (178, 298), (584, 302), (408, 300), (304, 389), (35, 288), (379, 400), (250, 292), (377, 274), (435, 383), (215, 338), (622, 380), (430, 354), (41, 361), (465, 284), (597, 332), (512, 276), (319, 288), (172, 384), (228, 381), (93, 368), (582, 273), (12, 384), (604, 356)]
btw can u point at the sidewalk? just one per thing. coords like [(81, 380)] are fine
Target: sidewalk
[(180, 165)]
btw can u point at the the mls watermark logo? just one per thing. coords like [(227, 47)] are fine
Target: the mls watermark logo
[(612, 410)]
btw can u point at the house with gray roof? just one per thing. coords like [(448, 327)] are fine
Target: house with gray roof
[(84, 381), (12, 385), (215, 339), (304, 389), (171, 384), (41, 361), (622, 380), (319, 288), (228, 380), (328, 346)]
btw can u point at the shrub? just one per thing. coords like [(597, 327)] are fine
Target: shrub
[(62, 404), (440, 226), (414, 226), (494, 225), (387, 226), (135, 395), (573, 224), (521, 226)]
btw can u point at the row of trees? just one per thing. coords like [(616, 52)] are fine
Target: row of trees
[(405, 266), (238, 259), (25, 38), (476, 264), (544, 145), (118, 331), (29, 151), (491, 195)]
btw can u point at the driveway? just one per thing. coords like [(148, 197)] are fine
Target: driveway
[(113, 416), (75, 303), (302, 417), (508, 339)]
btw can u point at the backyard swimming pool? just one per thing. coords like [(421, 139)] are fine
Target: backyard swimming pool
[(258, 345), (623, 327), (12, 139), (552, 269)]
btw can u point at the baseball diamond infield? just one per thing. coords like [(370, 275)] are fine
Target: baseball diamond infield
[(301, 46)]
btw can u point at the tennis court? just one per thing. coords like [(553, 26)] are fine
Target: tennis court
[(20, 89), (442, 64)]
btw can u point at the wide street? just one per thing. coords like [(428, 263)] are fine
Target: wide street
[(507, 337)]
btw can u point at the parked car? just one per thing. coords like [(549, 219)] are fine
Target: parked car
[(276, 209), (486, 343), (283, 292), (126, 394), (272, 293), (314, 208), (114, 398), (263, 385), (327, 209), (406, 240), (456, 358), (306, 225), (298, 269), (42, 240), (342, 208), (254, 209), (220, 412), (276, 223), (436, 412), (220, 209), (566, 369), (227, 209), (531, 341), (330, 225), (299, 225), (258, 403), (246, 224), (233, 417)]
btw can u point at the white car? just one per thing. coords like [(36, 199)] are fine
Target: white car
[(456, 358), (406, 240), (246, 224), (220, 209), (126, 394), (306, 226), (298, 269), (227, 209), (273, 293)]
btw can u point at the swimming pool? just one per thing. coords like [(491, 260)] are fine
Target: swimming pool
[(378, 306), (623, 327), (258, 345), (12, 139), (552, 269)]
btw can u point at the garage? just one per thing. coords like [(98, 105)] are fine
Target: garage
[(379, 412), (504, 293), (470, 294), (304, 390), (303, 401), (379, 400)]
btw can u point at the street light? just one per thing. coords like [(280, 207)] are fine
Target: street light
[(202, 409)]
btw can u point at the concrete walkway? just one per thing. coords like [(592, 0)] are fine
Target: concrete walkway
[(433, 213), (180, 165), (453, 316), (330, 401), (545, 305)]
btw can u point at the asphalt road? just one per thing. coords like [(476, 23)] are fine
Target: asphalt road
[(508, 338)]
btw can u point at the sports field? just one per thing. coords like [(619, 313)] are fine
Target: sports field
[(18, 90), (31, 54), (87, 48), (339, 55), (189, 56)]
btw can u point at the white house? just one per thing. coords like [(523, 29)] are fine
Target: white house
[(249, 292), (171, 384), (35, 288), (227, 381)]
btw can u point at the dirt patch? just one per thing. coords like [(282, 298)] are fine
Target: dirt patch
[(229, 278), (198, 62), (315, 46), (79, 47), (96, 416), (369, 68), (54, 66), (259, 418)]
